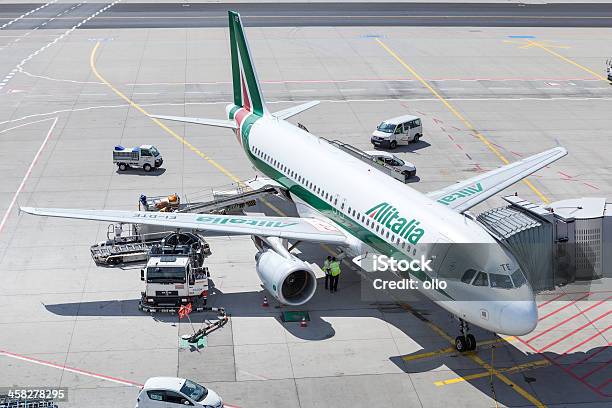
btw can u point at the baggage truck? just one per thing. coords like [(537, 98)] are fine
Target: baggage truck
[(146, 157)]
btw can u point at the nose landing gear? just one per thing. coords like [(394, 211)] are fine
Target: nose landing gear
[(466, 341)]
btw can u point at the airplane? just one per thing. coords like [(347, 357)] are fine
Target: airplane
[(346, 202)]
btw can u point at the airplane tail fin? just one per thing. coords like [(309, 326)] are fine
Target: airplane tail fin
[(247, 92)]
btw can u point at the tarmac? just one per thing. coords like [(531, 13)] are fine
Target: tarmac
[(485, 95)]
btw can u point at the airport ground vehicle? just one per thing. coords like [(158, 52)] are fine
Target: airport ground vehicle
[(406, 168), (397, 131), (609, 69), (146, 157), (166, 392), (175, 274)]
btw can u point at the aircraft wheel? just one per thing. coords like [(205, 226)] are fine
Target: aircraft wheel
[(461, 344), (471, 342)]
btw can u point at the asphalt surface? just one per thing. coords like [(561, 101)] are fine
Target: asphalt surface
[(167, 15)]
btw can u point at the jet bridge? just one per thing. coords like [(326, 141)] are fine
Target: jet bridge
[(556, 244)]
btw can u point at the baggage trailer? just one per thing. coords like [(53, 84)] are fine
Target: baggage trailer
[(175, 274)]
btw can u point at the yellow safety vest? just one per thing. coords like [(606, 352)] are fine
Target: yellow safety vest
[(326, 266), (334, 268)]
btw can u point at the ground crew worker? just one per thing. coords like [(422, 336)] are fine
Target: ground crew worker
[(334, 271), (325, 268)]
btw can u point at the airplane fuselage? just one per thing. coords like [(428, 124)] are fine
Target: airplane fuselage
[(384, 216)]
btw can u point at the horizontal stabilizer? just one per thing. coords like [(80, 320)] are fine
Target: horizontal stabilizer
[(199, 121), (294, 110)]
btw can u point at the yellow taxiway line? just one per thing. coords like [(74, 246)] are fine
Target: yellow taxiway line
[(509, 370), (569, 61), (459, 116), (92, 64), (449, 350), (491, 371)]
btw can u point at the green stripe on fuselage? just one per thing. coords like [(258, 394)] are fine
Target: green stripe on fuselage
[(348, 224)]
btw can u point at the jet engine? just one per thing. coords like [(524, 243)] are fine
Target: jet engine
[(290, 280)]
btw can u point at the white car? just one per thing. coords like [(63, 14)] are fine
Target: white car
[(397, 131), (406, 168), (168, 392)]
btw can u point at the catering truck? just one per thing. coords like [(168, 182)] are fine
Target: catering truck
[(146, 157), (175, 274)]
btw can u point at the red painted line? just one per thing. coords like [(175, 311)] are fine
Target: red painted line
[(570, 373), (587, 358), (450, 137), (456, 128), (421, 113), (77, 370), (599, 333), (459, 146), (437, 120), (600, 386), (552, 300), (564, 174), (590, 185), (444, 130), (559, 340), (567, 320), (596, 369), (564, 307), (70, 369)]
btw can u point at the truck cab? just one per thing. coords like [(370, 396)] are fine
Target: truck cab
[(397, 131), (175, 274), (146, 157)]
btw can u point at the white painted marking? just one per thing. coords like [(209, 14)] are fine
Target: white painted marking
[(19, 67), (26, 14), (28, 172)]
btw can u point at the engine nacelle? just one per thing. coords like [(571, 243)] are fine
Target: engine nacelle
[(291, 281)]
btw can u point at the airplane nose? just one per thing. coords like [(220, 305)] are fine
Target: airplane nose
[(519, 317)]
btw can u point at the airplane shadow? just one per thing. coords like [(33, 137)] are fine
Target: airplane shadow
[(413, 325)]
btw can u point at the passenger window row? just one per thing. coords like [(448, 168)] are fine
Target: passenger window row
[(356, 215)]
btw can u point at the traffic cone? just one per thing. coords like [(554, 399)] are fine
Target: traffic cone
[(265, 302), (303, 323)]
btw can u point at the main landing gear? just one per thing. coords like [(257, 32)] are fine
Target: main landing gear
[(466, 341)]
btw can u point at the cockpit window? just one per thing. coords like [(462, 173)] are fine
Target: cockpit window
[(481, 279), (500, 281), (468, 275), (518, 278)]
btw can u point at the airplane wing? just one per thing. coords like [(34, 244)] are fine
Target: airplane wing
[(303, 229), (199, 121), (294, 110), (464, 195)]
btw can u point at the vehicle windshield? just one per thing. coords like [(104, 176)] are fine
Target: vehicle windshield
[(154, 151), (166, 274), (518, 278), (386, 127), (194, 390), (500, 281)]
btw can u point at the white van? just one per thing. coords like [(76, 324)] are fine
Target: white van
[(397, 131)]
